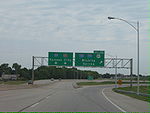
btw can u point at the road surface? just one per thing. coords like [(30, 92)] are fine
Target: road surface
[(58, 97)]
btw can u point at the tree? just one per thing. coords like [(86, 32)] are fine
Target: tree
[(4, 68), (25, 73), (107, 75), (42, 72), (17, 68)]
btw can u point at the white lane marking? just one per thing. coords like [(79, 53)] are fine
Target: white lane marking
[(34, 104), (112, 102)]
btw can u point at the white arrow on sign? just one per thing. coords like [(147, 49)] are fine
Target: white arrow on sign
[(101, 62)]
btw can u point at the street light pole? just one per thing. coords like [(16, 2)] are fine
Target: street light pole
[(137, 30), (138, 56)]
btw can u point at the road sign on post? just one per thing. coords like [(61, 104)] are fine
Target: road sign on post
[(119, 82), (60, 59), (89, 59), (90, 78)]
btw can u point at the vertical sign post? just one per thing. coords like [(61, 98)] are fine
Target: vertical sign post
[(32, 69)]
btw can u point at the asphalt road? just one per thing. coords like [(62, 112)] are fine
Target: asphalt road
[(59, 97)]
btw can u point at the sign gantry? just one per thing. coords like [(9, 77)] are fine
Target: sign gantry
[(95, 60), (109, 62)]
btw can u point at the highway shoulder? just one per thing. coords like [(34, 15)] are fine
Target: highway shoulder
[(127, 103)]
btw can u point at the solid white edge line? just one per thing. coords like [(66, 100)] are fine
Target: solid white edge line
[(111, 101), (34, 104)]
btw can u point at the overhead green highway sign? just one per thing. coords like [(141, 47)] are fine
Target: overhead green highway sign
[(95, 59), (60, 59)]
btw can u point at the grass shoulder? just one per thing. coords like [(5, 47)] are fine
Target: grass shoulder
[(143, 89), (94, 83), (104, 83), (17, 82)]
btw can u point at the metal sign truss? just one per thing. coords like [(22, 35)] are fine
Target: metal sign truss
[(109, 62), (115, 63)]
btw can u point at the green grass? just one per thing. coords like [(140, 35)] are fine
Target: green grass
[(13, 82), (94, 83), (141, 78), (143, 89), (144, 98), (104, 83)]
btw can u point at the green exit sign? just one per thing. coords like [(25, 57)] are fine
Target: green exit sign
[(95, 59), (60, 59)]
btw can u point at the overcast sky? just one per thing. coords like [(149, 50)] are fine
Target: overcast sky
[(35, 27)]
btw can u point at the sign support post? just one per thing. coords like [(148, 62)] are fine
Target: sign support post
[(116, 73), (131, 68), (32, 69)]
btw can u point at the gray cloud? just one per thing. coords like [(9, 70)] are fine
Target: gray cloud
[(34, 27)]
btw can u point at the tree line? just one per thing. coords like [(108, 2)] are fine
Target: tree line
[(47, 72), (15, 69)]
